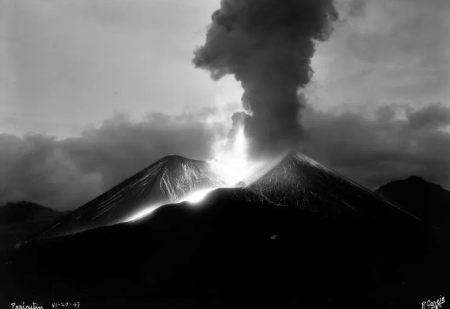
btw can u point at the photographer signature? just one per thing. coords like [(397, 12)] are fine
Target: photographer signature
[(436, 304)]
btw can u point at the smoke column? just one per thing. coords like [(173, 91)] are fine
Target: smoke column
[(268, 46)]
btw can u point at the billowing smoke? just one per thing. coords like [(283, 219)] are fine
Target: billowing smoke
[(268, 46)]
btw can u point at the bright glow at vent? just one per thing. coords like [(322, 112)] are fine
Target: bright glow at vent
[(232, 163)]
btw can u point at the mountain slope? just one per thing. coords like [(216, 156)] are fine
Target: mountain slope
[(427, 200), (302, 182), (163, 182)]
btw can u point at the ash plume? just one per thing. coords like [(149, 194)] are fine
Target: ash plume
[(268, 46)]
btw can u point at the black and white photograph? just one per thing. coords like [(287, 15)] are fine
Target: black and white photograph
[(225, 154)]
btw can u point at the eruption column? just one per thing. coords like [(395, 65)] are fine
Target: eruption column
[(268, 46)]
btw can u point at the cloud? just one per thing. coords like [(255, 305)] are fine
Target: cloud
[(65, 174), (396, 143), (68, 64), (119, 148), (433, 116), (385, 51), (35, 168)]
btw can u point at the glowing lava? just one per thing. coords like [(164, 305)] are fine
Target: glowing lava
[(193, 198), (143, 213), (198, 196)]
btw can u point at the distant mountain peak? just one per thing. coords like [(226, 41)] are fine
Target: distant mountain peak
[(414, 181), (421, 181), (425, 199), (416, 178)]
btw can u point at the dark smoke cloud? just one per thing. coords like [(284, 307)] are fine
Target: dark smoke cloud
[(268, 46)]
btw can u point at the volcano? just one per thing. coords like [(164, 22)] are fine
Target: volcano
[(301, 182), (166, 181), (299, 236), (295, 180)]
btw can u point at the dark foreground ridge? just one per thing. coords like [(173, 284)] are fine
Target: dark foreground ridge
[(335, 245)]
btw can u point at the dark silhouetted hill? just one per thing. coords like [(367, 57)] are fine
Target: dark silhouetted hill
[(424, 199), (20, 220)]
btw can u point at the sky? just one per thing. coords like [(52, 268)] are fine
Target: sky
[(92, 91)]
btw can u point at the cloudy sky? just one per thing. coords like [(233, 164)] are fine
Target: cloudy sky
[(92, 91)]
